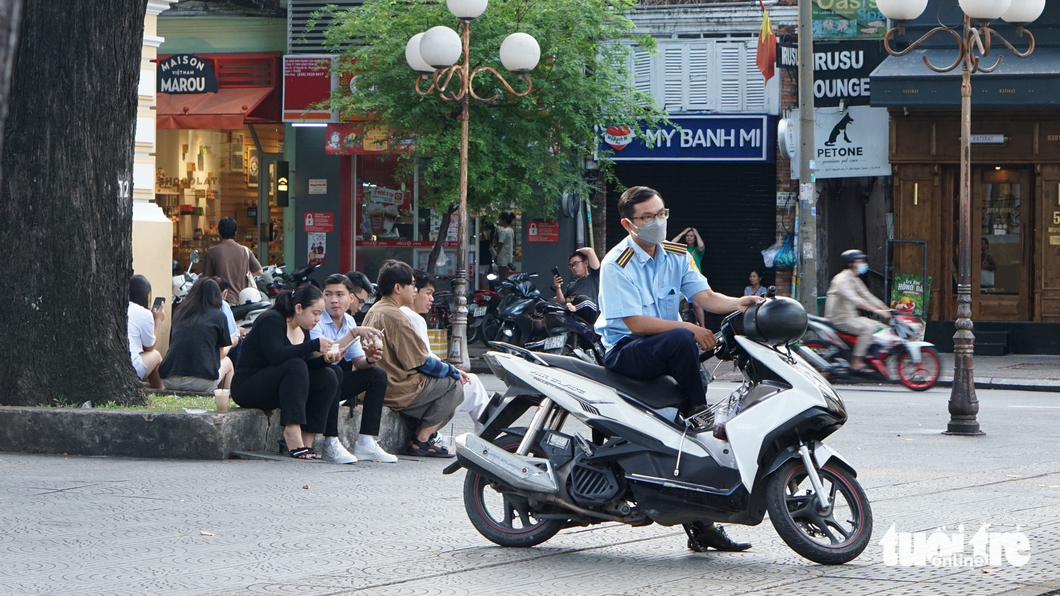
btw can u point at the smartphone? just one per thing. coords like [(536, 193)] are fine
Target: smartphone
[(159, 301), (555, 271)]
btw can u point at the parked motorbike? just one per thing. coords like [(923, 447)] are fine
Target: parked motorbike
[(568, 335), (183, 280), (251, 304), (519, 321), (759, 450), (273, 280), (485, 311), (898, 353)]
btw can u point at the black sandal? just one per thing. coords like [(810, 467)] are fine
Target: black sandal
[(429, 448), (303, 453)]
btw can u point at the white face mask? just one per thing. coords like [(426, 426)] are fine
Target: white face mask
[(652, 232), (862, 268)]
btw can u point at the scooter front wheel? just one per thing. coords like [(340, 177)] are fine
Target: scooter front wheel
[(832, 536), (919, 376), (501, 515)]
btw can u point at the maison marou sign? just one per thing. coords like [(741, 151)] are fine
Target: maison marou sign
[(840, 70), (186, 73)]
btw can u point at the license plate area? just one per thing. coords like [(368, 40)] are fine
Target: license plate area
[(555, 342)]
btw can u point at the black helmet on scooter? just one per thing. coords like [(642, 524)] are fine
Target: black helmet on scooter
[(777, 321), (853, 255)]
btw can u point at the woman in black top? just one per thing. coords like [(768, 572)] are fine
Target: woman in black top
[(199, 342), (281, 367)]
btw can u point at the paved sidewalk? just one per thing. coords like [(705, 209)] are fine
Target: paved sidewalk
[(77, 525)]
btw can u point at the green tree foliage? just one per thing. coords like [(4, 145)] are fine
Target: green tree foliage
[(523, 151)]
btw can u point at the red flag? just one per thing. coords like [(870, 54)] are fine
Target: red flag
[(766, 57)]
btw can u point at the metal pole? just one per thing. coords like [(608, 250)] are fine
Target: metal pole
[(807, 244), (963, 405), (458, 342)]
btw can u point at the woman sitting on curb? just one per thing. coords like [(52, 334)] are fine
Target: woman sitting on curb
[(281, 367), (199, 343)]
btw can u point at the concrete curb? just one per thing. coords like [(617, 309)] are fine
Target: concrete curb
[(167, 434)]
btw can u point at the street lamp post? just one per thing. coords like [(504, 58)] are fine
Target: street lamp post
[(973, 37), (434, 54)]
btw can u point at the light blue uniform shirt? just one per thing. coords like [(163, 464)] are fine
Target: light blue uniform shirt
[(635, 284), (327, 328), (227, 310)]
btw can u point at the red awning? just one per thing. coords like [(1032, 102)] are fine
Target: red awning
[(227, 109)]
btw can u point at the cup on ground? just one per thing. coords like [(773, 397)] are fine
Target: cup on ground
[(221, 397)]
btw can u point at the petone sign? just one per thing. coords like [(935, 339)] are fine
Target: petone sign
[(849, 144), (185, 73), (696, 138)]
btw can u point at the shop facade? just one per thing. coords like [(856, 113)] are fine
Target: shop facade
[(1015, 187), (718, 174)]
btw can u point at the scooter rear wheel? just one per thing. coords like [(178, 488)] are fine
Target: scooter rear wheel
[(502, 516), (830, 537), (919, 376)]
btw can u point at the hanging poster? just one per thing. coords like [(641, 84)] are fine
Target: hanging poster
[(318, 248), (908, 295), (848, 19)]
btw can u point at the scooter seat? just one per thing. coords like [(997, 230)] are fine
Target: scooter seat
[(663, 392)]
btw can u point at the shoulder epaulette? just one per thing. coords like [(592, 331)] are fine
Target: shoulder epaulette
[(623, 259), (675, 248)]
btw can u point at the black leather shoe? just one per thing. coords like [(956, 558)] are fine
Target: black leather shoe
[(700, 539)]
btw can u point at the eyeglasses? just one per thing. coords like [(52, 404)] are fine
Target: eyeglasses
[(360, 301), (643, 219), (573, 263)]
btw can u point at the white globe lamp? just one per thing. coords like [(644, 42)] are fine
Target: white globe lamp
[(440, 47), (901, 10), (984, 10), (1022, 12), (466, 9), (520, 53), (412, 55)]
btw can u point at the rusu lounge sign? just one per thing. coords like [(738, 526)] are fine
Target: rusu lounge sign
[(696, 138), (840, 70), (186, 73)]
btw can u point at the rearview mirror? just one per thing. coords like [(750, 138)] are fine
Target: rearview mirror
[(194, 257)]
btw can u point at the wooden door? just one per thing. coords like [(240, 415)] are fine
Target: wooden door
[(1002, 243)]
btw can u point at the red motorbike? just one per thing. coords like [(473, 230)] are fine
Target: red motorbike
[(897, 354)]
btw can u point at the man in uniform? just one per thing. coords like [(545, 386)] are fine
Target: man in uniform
[(641, 282)]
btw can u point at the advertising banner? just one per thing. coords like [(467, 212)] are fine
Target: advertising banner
[(307, 81), (849, 144), (697, 138), (848, 19), (908, 294)]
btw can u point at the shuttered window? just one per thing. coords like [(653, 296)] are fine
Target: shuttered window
[(702, 75)]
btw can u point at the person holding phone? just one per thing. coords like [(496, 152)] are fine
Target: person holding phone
[(358, 353), (197, 359), (581, 295), (282, 367), (144, 326)]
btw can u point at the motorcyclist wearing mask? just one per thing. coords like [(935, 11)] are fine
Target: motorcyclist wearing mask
[(641, 282), (846, 295)]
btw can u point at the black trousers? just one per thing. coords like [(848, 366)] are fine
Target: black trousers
[(372, 383), (673, 353), (305, 396)]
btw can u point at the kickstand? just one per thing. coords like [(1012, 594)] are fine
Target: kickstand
[(680, 450)]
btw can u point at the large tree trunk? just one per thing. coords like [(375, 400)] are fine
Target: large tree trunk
[(66, 203), (9, 19)]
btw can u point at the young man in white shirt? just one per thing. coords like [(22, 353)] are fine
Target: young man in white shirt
[(359, 374), (144, 327), (475, 397)]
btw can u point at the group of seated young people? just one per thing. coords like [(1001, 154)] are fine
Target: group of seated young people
[(306, 356)]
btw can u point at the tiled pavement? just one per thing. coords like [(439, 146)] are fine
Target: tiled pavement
[(74, 525)]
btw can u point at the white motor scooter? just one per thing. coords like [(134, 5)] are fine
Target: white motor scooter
[(182, 281)]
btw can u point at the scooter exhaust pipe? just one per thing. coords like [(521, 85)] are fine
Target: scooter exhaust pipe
[(519, 472)]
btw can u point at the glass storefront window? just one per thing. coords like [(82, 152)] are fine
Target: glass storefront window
[(999, 242)]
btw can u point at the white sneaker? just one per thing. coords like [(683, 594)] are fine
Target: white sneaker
[(373, 452), (335, 453)]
